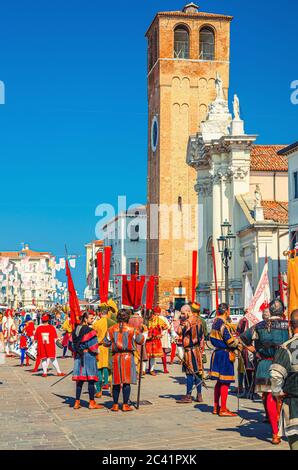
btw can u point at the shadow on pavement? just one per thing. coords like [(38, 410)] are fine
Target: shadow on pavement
[(172, 397), (70, 401), (178, 380), (204, 408), (250, 426)]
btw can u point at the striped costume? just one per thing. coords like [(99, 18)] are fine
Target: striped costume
[(85, 365), (223, 358), (156, 327), (192, 337), (123, 340)]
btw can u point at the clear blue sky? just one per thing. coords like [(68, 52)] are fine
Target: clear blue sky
[(73, 131)]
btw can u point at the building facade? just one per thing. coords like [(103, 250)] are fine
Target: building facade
[(291, 153), (126, 234), (27, 279), (247, 185), (92, 290), (186, 51)]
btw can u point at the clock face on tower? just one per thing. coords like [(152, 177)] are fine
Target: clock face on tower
[(154, 133)]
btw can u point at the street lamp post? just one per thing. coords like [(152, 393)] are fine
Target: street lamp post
[(226, 247)]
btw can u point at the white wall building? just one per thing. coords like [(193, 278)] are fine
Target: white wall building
[(27, 278), (92, 290), (247, 185), (291, 153), (126, 234)]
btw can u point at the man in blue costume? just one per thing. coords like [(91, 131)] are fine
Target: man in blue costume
[(222, 361)]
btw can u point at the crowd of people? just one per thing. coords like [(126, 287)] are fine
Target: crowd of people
[(114, 349)]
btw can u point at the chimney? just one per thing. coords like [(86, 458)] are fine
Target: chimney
[(191, 8)]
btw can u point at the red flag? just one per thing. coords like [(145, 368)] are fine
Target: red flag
[(99, 257), (132, 291), (74, 306), (103, 273), (107, 267), (194, 275), (150, 292)]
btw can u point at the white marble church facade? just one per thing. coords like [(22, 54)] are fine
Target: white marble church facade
[(245, 184)]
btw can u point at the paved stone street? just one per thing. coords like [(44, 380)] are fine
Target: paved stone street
[(34, 415)]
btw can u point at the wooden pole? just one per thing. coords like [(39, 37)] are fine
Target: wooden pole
[(140, 377), (215, 277), (194, 275)]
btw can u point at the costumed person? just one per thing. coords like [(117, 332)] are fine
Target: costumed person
[(156, 326), (222, 360), (101, 326), (84, 345), (191, 330), (137, 322), (113, 310), (29, 328), (266, 337), (176, 346), (45, 336), (10, 332), (284, 384), (67, 328), (23, 348), (168, 334), (24, 341), (246, 365), (123, 339), (196, 309)]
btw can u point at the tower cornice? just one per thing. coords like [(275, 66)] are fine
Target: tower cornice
[(189, 16)]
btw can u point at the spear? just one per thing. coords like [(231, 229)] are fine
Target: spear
[(141, 369), (60, 380)]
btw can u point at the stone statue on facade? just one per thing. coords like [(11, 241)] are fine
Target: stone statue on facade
[(236, 107), (219, 87), (258, 196)]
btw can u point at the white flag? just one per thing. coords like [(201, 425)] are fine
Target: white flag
[(62, 263), (72, 263), (261, 298), (248, 293)]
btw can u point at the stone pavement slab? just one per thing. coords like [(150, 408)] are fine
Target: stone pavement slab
[(34, 415)]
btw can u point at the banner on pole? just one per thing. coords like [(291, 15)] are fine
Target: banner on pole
[(260, 300)]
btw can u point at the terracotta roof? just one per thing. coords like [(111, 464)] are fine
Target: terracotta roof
[(267, 158), (199, 14), (18, 254), (276, 211)]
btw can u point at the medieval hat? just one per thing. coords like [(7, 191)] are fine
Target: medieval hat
[(195, 307)]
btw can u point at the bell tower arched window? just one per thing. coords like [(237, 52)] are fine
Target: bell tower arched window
[(207, 44), (181, 42)]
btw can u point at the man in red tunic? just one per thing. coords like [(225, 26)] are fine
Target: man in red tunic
[(46, 336)]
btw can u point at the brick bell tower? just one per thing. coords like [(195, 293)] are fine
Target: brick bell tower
[(186, 49)]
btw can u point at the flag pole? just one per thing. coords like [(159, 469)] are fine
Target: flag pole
[(215, 277), (141, 355), (194, 275)]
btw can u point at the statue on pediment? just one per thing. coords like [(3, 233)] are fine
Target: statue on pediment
[(236, 108)]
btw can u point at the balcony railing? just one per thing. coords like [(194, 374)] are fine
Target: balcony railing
[(181, 50)]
